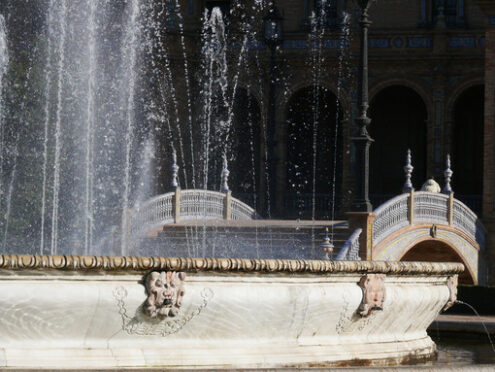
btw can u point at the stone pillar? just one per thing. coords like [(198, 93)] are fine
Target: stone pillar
[(488, 7)]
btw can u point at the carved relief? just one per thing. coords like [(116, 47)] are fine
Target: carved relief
[(452, 285), (373, 288), (165, 291), (143, 325)]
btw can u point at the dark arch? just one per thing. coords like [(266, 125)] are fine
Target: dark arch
[(312, 142), (467, 156), (245, 163), (398, 123), (437, 251)]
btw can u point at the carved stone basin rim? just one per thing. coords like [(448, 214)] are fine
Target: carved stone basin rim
[(143, 264)]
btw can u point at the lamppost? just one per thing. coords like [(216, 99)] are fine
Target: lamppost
[(273, 38), (361, 138)]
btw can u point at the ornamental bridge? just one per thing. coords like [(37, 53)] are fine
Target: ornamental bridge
[(427, 225)]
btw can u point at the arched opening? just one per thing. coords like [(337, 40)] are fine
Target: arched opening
[(437, 251), (398, 123), (245, 161), (467, 156), (314, 154)]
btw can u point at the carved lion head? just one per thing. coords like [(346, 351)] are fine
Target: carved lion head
[(165, 291)]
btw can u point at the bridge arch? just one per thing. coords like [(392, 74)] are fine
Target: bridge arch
[(427, 226), (438, 250)]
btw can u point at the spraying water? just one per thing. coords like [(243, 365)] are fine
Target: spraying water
[(4, 62)]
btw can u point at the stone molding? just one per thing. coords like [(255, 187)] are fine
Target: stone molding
[(143, 264)]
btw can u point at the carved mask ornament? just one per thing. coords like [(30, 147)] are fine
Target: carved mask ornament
[(373, 288), (165, 291), (452, 285)]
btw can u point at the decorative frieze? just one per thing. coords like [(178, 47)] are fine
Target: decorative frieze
[(141, 264)]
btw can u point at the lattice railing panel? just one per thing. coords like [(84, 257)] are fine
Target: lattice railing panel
[(466, 220), (153, 213), (193, 204), (390, 217), (350, 249), (431, 207)]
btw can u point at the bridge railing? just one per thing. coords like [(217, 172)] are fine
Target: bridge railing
[(185, 205), (425, 207), (350, 249)]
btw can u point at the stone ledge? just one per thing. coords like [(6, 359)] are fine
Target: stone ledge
[(141, 264)]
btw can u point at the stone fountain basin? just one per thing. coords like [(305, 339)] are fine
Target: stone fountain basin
[(87, 312)]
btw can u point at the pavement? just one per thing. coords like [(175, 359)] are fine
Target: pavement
[(464, 324)]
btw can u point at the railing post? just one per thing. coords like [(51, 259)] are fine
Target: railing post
[(450, 209), (410, 207), (227, 205), (176, 205)]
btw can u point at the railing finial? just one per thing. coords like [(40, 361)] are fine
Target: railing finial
[(224, 183), (408, 169), (175, 171), (448, 177)]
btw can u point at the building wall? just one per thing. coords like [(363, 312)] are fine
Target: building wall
[(407, 48)]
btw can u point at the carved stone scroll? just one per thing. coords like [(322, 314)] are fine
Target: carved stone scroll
[(165, 291), (373, 288), (452, 284)]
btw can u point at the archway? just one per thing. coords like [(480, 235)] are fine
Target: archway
[(314, 154), (245, 149), (398, 123), (467, 154), (437, 251)]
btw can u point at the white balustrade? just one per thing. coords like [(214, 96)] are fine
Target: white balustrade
[(193, 204), (389, 217), (428, 207), (350, 249)]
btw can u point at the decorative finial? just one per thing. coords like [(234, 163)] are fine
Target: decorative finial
[(431, 186), (175, 171), (448, 177), (408, 168), (327, 246), (224, 185)]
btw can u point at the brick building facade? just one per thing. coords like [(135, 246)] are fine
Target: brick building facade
[(432, 89)]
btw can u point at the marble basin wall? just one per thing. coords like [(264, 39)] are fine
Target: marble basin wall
[(93, 312)]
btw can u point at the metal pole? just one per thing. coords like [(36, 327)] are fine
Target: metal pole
[(362, 139)]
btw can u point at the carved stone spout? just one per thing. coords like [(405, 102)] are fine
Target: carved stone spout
[(165, 291)]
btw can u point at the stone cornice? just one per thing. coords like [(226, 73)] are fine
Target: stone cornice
[(143, 264)]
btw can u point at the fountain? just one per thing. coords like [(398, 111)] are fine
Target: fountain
[(76, 174)]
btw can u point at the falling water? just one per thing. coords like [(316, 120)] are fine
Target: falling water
[(343, 72), (129, 48), (47, 82), (4, 62), (481, 320), (62, 17), (90, 117)]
